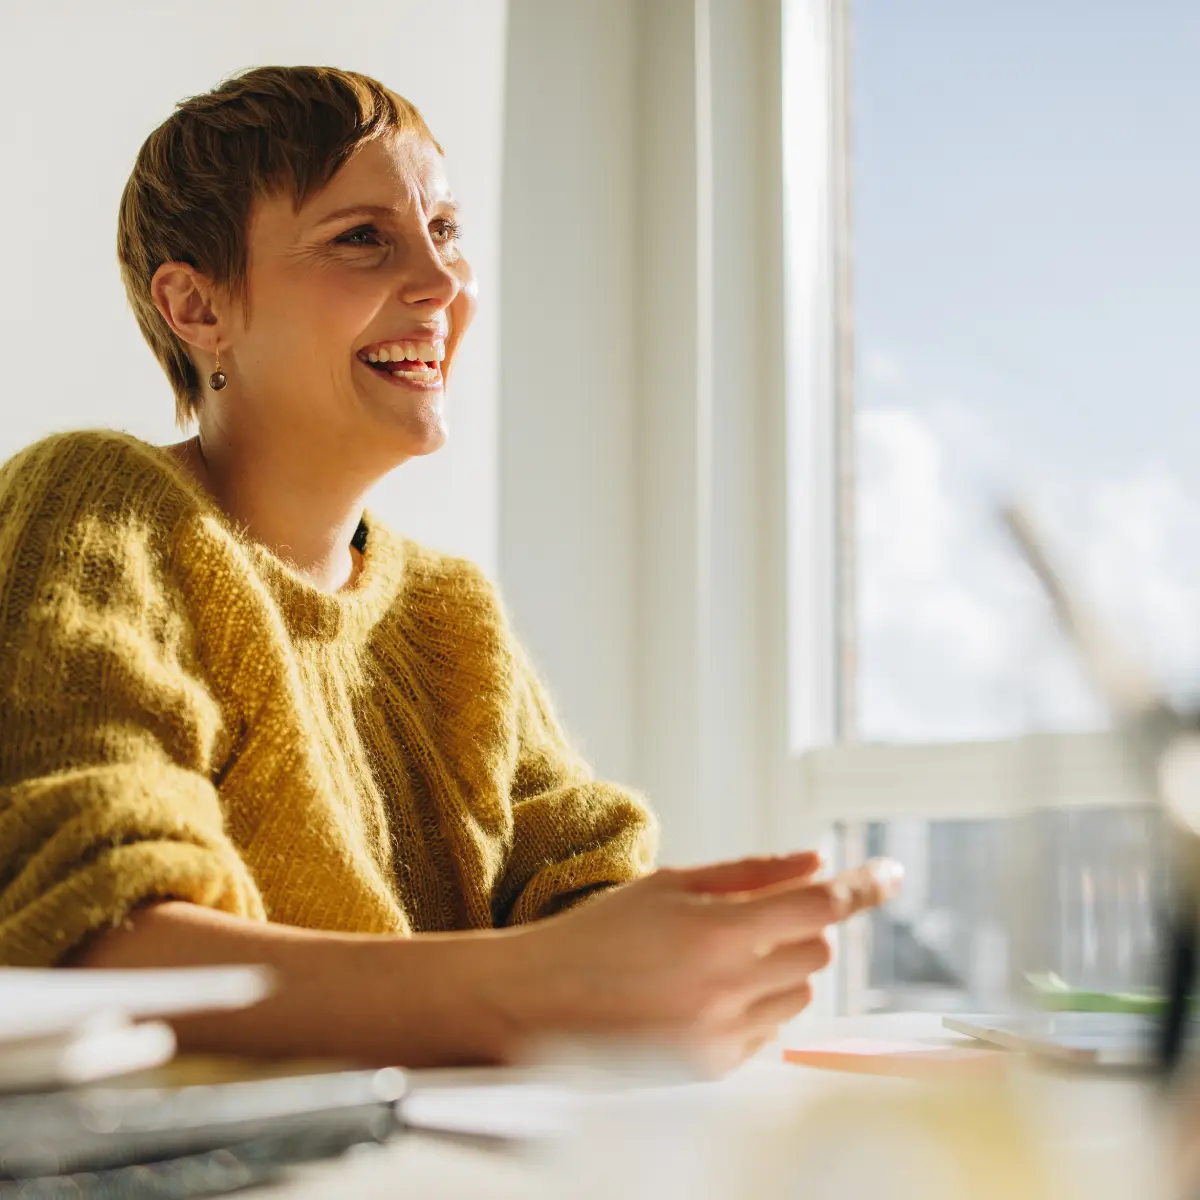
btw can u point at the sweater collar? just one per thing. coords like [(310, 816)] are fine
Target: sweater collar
[(348, 615)]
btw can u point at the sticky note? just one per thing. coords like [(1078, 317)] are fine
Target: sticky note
[(913, 1059)]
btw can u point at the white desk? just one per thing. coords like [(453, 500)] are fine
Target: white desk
[(1105, 1123)]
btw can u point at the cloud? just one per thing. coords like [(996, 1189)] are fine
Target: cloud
[(954, 638), (933, 638)]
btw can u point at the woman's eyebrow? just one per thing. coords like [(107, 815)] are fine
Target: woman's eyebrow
[(378, 210)]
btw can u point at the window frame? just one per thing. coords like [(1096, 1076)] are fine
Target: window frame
[(837, 783)]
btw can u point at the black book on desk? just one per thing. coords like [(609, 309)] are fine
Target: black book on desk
[(142, 1142)]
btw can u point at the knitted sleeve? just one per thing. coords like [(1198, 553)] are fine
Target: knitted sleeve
[(107, 734), (572, 835)]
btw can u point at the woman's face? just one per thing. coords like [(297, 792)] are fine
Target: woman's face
[(357, 304)]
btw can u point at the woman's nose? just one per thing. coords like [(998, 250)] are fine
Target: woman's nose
[(428, 280)]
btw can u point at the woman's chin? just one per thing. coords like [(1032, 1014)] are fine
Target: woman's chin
[(430, 441), (412, 421), (417, 434)]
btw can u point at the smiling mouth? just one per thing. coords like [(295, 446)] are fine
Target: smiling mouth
[(407, 362)]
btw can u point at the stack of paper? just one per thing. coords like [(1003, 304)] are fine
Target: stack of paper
[(65, 1027)]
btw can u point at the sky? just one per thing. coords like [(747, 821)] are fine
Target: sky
[(1027, 300)]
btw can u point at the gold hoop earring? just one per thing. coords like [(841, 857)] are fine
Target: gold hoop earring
[(217, 379)]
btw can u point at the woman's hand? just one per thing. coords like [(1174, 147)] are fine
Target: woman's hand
[(710, 960)]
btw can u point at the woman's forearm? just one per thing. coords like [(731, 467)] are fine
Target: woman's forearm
[(429, 1000), (708, 960)]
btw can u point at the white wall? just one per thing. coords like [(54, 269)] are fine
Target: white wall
[(83, 83), (569, 320), (642, 432)]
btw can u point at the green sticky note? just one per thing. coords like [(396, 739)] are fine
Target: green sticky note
[(1054, 994)]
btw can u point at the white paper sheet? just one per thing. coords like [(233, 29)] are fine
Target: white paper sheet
[(517, 1111), (34, 1002)]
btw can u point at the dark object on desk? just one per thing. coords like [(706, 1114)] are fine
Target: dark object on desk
[(1181, 980), (123, 1138)]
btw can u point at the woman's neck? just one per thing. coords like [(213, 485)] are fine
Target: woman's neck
[(308, 521)]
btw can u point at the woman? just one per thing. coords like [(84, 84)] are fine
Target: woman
[(243, 721)]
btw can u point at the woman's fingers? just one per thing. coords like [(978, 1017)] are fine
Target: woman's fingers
[(751, 1047), (748, 874), (778, 1007), (790, 965), (708, 958), (723, 1054), (797, 914)]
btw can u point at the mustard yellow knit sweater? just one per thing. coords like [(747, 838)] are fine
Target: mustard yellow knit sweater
[(181, 715)]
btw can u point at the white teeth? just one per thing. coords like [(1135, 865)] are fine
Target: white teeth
[(417, 374), (415, 352)]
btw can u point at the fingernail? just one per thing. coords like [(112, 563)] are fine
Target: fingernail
[(887, 873), (798, 855)]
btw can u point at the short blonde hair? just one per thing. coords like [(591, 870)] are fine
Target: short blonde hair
[(266, 131)]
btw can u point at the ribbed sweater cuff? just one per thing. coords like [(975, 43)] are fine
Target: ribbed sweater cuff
[(102, 893)]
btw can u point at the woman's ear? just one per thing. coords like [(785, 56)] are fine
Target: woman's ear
[(184, 297)]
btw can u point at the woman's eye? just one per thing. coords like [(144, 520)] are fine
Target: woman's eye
[(444, 231), (362, 235)]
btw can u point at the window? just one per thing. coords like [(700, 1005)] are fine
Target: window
[(1024, 286), (1026, 293)]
